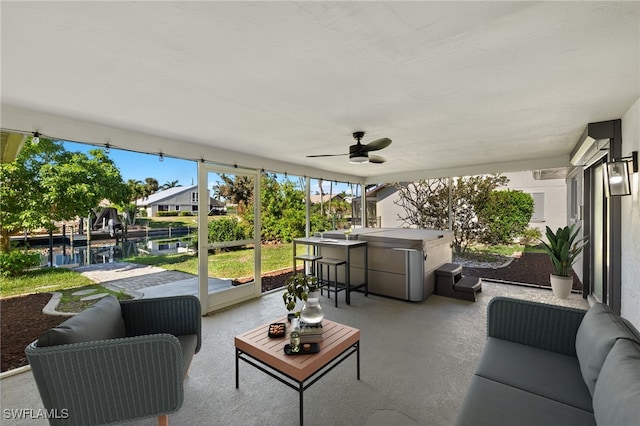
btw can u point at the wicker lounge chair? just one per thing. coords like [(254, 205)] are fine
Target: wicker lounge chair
[(117, 361)]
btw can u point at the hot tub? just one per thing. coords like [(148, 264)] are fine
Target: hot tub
[(401, 261)]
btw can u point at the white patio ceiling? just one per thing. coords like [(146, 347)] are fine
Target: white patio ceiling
[(460, 87)]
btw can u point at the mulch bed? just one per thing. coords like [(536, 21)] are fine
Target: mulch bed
[(531, 268), (23, 320), (22, 323)]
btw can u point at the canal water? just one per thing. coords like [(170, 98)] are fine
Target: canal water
[(108, 251)]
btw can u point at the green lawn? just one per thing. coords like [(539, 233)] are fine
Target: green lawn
[(504, 249), (231, 264), (42, 281)]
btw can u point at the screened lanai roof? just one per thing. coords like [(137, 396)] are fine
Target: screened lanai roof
[(460, 87)]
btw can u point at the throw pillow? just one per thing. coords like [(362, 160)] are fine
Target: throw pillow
[(101, 321), (598, 331)]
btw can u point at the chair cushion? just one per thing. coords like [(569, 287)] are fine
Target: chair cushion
[(598, 331), (616, 400), (101, 321)]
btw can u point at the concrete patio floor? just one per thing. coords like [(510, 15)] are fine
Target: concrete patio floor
[(417, 360), (142, 281)]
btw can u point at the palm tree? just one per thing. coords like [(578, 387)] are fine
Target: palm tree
[(137, 190), (169, 185), (152, 186)]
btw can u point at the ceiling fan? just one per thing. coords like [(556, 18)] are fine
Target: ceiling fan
[(359, 153)]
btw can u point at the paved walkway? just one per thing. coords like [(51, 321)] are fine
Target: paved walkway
[(146, 281)]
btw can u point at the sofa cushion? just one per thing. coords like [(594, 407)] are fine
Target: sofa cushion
[(545, 373), (599, 330), (493, 404), (101, 321), (616, 399)]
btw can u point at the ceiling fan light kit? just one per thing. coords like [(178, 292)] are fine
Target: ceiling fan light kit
[(358, 158), (357, 155)]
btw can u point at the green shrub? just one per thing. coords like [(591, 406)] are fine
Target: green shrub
[(505, 215), (185, 213), (228, 229), (168, 214), (530, 236), (15, 262)]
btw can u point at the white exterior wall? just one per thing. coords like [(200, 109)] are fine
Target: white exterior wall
[(630, 243), (388, 211), (555, 198), (183, 201)]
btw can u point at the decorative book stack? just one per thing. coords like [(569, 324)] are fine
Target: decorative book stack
[(311, 333)]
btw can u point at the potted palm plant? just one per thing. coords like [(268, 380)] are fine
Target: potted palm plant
[(563, 249)]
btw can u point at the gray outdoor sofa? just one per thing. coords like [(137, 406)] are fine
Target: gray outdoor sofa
[(117, 361), (551, 365)]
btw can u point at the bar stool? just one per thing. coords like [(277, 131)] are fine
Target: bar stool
[(311, 258), (329, 262)]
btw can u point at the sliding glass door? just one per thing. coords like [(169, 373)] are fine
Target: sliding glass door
[(598, 234), (228, 229)]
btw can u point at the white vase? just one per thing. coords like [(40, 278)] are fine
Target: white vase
[(561, 286)]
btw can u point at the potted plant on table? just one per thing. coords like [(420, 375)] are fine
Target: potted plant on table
[(305, 288), (563, 249)]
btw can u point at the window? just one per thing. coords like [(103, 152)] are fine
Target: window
[(163, 208), (194, 197), (538, 207), (177, 207)]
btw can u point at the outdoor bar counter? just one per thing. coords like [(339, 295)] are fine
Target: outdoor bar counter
[(401, 261)]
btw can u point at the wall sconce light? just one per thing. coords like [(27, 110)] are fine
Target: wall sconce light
[(160, 157), (36, 138), (617, 174)]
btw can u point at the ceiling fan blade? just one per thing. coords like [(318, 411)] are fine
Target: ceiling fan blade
[(377, 144), (376, 159), (325, 155)]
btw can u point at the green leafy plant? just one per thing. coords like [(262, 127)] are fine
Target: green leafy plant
[(228, 229), (505, 215), (15, 262), (530, 236), (298, 287), (563, 248)]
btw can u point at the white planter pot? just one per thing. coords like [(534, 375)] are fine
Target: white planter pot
[(561, 286)]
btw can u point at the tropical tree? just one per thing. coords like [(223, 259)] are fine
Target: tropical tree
[(172, 184), (46, 183), (237, 190), (426, 205), (152, 185), (282, 206), (470, 195)]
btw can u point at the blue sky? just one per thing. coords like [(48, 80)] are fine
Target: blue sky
[(138, 166)]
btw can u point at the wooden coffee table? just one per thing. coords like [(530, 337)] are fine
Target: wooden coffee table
[(297, 371)]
